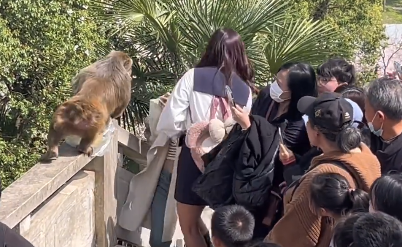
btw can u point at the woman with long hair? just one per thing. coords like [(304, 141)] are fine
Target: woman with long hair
[(224, 63), (277, 103)]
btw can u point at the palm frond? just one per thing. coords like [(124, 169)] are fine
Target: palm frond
[(298, 41), (167, 37)]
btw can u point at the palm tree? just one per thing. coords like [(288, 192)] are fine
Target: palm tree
[(167, 37)]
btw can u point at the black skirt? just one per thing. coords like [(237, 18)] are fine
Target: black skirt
[(187, 173)]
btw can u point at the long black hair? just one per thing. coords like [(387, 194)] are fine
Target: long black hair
[(226, 51), (386, 194), (301, 82)]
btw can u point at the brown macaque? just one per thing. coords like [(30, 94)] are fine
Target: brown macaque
[(101, 91)]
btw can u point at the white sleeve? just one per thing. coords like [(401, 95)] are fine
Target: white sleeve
[(172, 120), (249, 102)]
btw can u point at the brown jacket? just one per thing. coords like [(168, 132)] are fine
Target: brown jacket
[(300, 227)]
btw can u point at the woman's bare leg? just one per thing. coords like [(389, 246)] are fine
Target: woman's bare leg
[(189, 218)]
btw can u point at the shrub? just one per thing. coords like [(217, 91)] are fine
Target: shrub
[(43, 45)]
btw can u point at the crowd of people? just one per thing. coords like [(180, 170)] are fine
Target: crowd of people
[(310, 160)]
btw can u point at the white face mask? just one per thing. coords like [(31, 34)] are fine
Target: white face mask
[(372, 129), (275, 92)]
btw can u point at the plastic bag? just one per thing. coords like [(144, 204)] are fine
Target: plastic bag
[(101, 142)]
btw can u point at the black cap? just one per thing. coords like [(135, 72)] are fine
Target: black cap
[(329, 111)]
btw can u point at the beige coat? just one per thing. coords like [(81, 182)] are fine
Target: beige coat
[(136, 210)]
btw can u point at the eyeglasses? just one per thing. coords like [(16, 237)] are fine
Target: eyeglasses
[(323, 80)]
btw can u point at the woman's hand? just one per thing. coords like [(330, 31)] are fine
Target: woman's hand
[(286, 156), (163, 99), (283, 186), (241, 116)]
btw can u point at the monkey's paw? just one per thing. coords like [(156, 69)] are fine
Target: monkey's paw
[(49, 156), (87, 151)]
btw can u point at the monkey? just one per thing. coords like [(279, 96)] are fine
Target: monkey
[(101, 91)]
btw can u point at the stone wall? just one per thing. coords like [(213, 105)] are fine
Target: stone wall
[(65, 219)]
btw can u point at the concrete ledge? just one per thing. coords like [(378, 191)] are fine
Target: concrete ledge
[(41, 181)]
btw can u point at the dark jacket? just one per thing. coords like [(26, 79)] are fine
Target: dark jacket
[(389, 154), (292, 126), (294, 130), (10, 238), (296, 170), (240, 169)]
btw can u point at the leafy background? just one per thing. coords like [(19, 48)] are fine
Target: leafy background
[(43, 44)]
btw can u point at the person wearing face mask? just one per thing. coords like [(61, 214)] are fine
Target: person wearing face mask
[(295, 166), (330, 129), (277, 103), (337, 75), (383, 112)]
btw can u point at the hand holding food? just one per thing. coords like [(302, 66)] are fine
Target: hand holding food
[(286, 156)]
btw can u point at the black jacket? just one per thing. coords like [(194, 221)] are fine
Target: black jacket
[(240, 169), (10, 238), (291, 123), (389, 154), (293, 127), (296, 170)]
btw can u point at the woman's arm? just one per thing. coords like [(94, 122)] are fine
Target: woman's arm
[(172, 120)]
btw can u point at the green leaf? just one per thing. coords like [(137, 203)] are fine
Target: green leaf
[(300, 41)]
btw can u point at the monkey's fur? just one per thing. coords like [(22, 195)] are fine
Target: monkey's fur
[(101, 91)]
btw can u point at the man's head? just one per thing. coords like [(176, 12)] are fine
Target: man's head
[(383, 104), (232, 226), (377, 230), (334, 73)]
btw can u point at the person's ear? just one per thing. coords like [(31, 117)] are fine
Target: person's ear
[(381, 115), (316, 132)]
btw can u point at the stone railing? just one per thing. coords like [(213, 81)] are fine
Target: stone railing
[(74, 200)]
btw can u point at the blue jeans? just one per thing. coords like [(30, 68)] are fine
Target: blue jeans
[(158, 210)]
